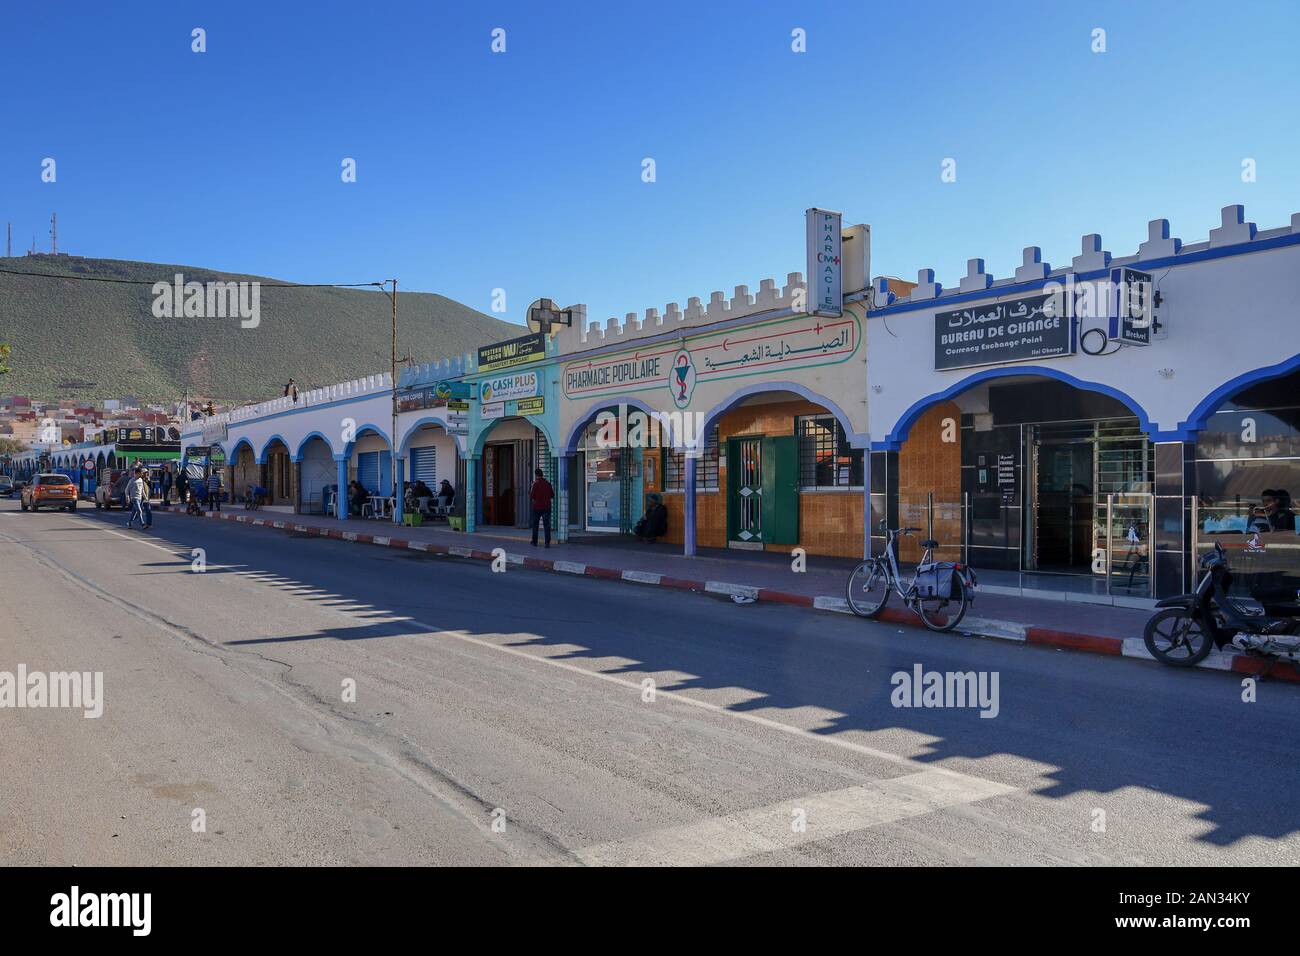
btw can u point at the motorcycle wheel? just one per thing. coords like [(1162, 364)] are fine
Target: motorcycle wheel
[(1175, 637)]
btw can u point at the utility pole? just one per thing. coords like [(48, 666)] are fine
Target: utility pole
[(393, 455)]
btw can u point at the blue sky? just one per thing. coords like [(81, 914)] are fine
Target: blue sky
[(522, 170)]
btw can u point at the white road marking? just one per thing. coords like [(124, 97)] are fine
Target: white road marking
[(829, 740), (179, 555), (962, 780), (771, 828)]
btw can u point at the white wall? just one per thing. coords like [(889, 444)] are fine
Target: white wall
[(1223, 317)]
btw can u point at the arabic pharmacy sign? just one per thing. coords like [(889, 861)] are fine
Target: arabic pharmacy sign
[(775, 347), (991, 333), (825, 286)]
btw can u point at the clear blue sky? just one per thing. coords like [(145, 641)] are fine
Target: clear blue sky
[(523, 170)]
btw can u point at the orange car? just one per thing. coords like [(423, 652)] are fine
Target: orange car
[(50, 491)]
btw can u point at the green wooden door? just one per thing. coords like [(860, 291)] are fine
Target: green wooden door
[(745, 491), (780, 482)]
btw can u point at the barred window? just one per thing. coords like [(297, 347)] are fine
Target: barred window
[(706, 466), (825, 458)]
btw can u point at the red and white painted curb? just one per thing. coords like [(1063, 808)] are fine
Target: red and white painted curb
[(1133, 647)]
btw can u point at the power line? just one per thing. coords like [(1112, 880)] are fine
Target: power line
[(149, 282)]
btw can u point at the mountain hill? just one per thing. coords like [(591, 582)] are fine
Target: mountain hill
[(91, 340)]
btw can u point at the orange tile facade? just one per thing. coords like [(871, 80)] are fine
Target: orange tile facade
[(830, 522), (929, 463)]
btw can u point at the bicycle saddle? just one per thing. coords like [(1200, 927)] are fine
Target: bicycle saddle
[(929, 543)]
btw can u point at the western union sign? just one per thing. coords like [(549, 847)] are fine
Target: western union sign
[(520, 351)]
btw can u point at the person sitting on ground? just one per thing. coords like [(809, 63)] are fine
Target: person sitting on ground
[(654, 523)]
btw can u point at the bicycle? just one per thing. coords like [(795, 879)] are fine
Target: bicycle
[(935, 586)]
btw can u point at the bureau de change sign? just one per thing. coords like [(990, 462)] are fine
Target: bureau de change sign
[(990, 333)]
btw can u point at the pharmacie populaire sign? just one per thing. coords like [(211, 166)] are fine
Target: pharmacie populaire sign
[(520, 351), (774, 347), (515, 385), (825, 274), (990, 333)]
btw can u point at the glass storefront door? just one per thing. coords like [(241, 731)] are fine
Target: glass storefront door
[(604, 489), (1078, 470)]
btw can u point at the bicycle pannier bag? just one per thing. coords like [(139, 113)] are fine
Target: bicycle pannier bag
[(934, 580)]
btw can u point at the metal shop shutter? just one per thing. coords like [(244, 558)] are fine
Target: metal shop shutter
[(368, 471), (424, 465)]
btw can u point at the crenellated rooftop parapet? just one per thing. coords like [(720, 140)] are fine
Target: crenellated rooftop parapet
[(1234, 229), (439, 370), (354, 388), (742, 302)]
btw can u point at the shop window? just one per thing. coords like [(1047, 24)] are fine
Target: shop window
[(825, 458), (706, 467)]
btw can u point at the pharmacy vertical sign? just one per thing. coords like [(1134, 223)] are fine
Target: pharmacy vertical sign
[(825, 273)]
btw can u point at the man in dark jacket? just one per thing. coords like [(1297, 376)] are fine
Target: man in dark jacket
[(654, 523), (540, 496)]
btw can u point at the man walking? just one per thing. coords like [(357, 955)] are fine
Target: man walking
[(135, 497), (167, 484), (214, 491), (540, 496)]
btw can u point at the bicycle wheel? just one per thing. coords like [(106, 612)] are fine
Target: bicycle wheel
[(868, 588), (1176, 638), (943, 614)]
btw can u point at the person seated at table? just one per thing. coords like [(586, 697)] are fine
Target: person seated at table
[(446, 493), (357, 496)]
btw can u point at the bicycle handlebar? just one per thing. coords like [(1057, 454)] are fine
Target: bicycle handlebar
[(892, 531)]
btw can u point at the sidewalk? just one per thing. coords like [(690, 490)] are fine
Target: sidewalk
[(756, 576)]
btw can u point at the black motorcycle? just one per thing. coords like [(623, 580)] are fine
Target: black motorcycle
[(1186, 627)]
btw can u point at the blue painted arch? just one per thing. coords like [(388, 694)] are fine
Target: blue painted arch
[(297, 453), (266, 446), (898, 434), (586, 417), (856, 439), (538, 423), (361, 432), (1207, 406), (232, 453), (414, 429)]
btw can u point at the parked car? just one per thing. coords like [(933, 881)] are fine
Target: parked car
[(6, 486), (50, 491), (111, 489)]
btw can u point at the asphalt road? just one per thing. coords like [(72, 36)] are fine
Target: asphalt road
[(506, 718)]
